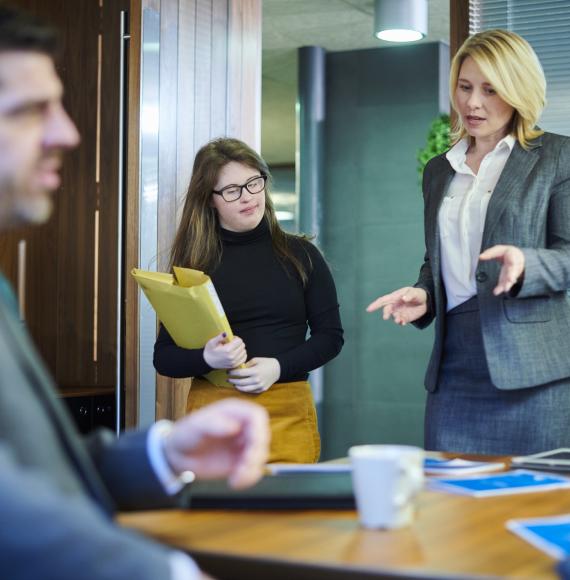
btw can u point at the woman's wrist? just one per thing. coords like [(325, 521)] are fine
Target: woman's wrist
[(278, 368), (210, 367)]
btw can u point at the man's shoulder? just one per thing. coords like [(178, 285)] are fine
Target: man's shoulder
[(7, 295)]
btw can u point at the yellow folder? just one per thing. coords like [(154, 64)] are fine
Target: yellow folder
[(188, 305)]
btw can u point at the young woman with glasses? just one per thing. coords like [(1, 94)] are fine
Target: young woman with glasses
[(274, 286)]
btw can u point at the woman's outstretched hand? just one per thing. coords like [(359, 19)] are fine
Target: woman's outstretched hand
[(403, 305), (512, 266)]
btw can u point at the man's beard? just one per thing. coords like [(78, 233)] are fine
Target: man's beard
[(36, 210), (20, 210)]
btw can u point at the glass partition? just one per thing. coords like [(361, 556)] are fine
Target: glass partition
[(148, 204)]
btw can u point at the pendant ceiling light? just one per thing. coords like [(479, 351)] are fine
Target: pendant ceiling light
[(400, 20)]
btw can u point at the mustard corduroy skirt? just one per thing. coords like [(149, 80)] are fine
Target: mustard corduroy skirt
[(293, 419)]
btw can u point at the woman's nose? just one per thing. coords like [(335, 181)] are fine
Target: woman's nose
[(474, 100)]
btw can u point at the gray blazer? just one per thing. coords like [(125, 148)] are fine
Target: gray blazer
[(57, 492), (526, 334)]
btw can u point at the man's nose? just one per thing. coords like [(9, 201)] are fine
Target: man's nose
[(61, 131)]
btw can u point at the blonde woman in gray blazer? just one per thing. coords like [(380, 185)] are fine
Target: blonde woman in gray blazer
[(497, 262)]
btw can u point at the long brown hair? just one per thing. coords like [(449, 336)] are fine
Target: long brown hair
[(197, 243)]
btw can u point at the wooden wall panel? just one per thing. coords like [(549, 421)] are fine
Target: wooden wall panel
[(41, 281), (235, 65), (108, 200), (186, 99), (458, 30), (203, 71), (172, 393), (244, 66), (169, 118), (131, 308), (9, 255), (76, 212), (459, 24), (60, 265), (61, 257), (168, 97), (221, 88)]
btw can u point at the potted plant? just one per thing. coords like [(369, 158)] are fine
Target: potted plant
[(438, 141)]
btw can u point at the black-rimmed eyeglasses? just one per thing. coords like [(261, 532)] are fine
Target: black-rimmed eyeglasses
[(233, 192)]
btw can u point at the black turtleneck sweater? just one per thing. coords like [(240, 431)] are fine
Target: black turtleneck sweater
[(268, 308)]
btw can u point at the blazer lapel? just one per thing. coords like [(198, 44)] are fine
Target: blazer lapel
[(439, 184), (518, 167)]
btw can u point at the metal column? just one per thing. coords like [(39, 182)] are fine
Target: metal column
[(309, 157)]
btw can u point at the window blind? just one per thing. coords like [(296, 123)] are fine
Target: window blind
[(545, 24)]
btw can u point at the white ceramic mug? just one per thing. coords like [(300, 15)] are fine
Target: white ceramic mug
[(386, 479)]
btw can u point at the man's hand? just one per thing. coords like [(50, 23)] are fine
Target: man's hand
[(257, 376), (404, 305), (220, 353), (226, 439), (512, 266)]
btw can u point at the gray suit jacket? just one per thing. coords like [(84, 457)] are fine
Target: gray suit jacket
[(527, 335), (57, 493)]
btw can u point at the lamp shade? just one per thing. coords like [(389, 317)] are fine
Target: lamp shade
[(400, 20)]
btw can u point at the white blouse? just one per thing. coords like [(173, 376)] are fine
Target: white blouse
[(462, 217)]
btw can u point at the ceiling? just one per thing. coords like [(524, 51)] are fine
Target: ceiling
[(336, 25)]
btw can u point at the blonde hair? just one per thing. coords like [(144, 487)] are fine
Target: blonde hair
[(514, 71)]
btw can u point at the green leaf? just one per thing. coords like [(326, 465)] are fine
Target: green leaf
[(438, 141)]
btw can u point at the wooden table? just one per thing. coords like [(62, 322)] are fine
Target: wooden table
[(452, 537)]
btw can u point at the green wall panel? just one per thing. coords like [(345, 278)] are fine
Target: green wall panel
[(380, 104)]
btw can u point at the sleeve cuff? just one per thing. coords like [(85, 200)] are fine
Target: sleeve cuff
[(171, 482), (182, 567)]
